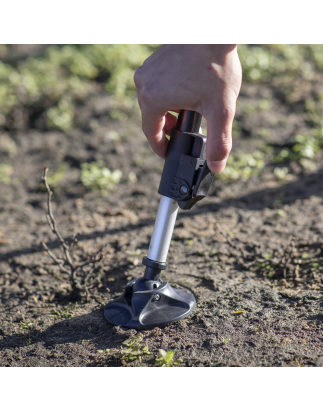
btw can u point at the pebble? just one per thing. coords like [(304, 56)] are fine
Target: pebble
[(283, 283)]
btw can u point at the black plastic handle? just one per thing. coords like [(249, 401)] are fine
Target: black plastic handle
[(189, 121)]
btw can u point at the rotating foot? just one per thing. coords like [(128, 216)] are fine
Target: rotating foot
[(149, 303)]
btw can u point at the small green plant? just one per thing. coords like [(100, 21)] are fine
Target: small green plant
[(256, 328), (243, 165), (134, 349), (6, 171), (24, 326), (108, 352), (298, 362), (166, 358), (281, 173), (225, 340), (62, 313), (95, 176), (61, 116), (268, 267)]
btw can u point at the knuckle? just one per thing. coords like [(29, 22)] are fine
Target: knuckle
[(228, 112), (220, 149), (148, 94), (137, 78)]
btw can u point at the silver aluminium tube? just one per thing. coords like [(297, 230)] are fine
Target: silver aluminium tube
[(163, 229)]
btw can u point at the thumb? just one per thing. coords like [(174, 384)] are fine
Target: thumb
[(219, 138)]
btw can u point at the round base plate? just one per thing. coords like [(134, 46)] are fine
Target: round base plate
[(150, 308)]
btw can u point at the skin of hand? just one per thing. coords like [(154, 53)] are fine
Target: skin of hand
[(202, 78)]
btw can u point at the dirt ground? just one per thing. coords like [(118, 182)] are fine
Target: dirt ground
[(221, 251)]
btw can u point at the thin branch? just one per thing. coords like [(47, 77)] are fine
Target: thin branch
[(51, 218), (55, 259), (72, 269), (93, 259)]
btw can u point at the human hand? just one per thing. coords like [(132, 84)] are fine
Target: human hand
[(202, 78)]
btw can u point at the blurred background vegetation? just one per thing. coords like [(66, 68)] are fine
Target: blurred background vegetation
[(50, 83)]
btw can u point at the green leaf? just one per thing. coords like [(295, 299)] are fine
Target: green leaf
[(126, 351), (138, 338), (137, 352), (162, 353), (305, 256), (145, 350), (169, 356)]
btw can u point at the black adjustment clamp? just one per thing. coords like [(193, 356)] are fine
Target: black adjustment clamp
[(186, 177)]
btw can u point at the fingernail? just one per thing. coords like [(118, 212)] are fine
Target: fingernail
[(217, 166)]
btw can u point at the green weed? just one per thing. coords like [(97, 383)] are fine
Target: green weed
[(62, 313), (305, 256), (6, 171), (243, 165), (24, 326), (95, 176), (255, 329), (281, 173), (166, 359), (107, 352), (65, 75), (134, 349)]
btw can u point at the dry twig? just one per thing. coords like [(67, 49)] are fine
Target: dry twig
[(67, 264)]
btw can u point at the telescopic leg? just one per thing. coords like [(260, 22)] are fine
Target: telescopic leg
[(147, 302)]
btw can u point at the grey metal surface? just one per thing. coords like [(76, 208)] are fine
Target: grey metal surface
[(163, 230)]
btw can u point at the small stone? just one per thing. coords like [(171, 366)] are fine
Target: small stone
[(283, 283), (41, 271)]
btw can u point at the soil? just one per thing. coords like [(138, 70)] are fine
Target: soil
[(221, 251)]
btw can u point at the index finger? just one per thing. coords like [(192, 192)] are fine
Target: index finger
[(155, 127)]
